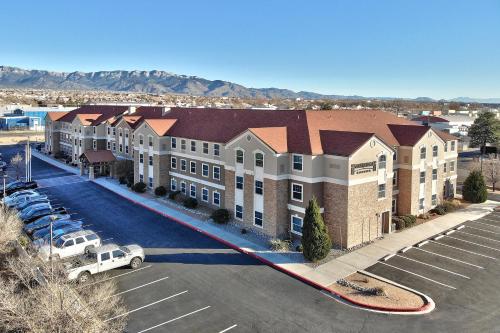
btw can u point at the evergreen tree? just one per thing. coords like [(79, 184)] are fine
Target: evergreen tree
[(474, 189), (486, 129), (316, 243)]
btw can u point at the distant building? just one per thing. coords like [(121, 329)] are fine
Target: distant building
[(28, 117), (453, 124)]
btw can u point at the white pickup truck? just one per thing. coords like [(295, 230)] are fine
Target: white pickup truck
[(104, 258)]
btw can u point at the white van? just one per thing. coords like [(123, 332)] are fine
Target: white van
[(72, 244)]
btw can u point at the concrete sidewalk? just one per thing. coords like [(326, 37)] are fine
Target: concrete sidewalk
[(325, 274)]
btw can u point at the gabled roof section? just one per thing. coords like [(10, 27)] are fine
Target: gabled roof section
[(342, 143), (105, 111), (88, 119), (445, 136), (96, 156), (274, 137), (56, 115), (408, 135), (160, 126)]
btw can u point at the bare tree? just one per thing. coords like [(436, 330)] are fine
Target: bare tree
[(17, 162), (491, 171), (10, 230)]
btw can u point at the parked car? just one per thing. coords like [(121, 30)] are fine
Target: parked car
[(71, 244), (21, 199), (44, 221), (40, 233), (56, 234), (18, 185), (34, 212), (103, 259), (14, 195), (35, 201)]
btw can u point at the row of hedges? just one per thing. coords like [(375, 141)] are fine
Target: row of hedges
[(404, 221)]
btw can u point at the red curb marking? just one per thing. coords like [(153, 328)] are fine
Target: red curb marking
[(273, 265)]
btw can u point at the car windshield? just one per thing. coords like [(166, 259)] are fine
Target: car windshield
[(124, 249), (59, 242)]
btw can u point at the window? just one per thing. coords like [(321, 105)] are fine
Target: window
[(114, 131), (394, 206), (118, 254), (173, 163), (173, 143), (183, 165), (120, 132), (297, 192), (150, 141), (216, 198), (434, 200), (216, 172), (434, 174), (238, 212), (259, 160), (297, 225), (205, 148), (193, 145), (126, 134), (150, 158), (423, 153), (141, 139), (91, 237), (76, 157), (205, 170), (114, 146), (445, 147), (150, 181), (192, 167), (76, 142), (239, 182), (192, 191), (395, 155), (183, 144), (173, 184), (422, 177), (435, 151), (381, 162), (257, 219), (183, 187), (381, 191), (452, 146), (258, 187), (452, 166), (444, 167), (395, 179), (108, 145), (141, 178), (105, 256), (80, 143), (421, 203), (93, 129), (204, 194), (141, 158), (297, 162), (69, 243), (120, 147), (94, 144), (126, 149), (239, 156), (216, 149), (109, 131)]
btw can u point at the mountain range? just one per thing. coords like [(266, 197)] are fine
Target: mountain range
[(161, 82)]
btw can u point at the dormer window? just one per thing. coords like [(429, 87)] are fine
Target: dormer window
[(381, 162), (239, 156)]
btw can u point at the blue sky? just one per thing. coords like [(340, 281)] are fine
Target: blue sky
[(405, 48)]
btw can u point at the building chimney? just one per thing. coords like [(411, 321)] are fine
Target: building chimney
[(131, 109), (165, 110)]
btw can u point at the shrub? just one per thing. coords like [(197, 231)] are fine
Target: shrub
[(474, 189), (221, 216), (439, 209), (60, 154), (122, 180), (190, 203), (139, 187), (424, 216), (160, 191), (451, 205), (410, 220), (315, 239), (280, 245), (172, 195), (299, 248), (244, 231), (130, 179), (399, 221)]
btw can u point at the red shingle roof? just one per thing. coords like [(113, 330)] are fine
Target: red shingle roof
[(274, 137), (408, 135), (56, 115), (106, 112), (161, 126), (96, 156), (342, 143)]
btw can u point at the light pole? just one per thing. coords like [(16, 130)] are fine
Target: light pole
[(4, 181)]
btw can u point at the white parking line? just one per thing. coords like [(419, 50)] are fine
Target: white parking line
[(171, 320), (493, 226), (471, 252), (477, 244), (146, 306), (229, 328), (489, 231), (491, 239), (450, 258), (484, 218), (139, 287), (116, 276), (420, 276), (436, 267), (107, 239)]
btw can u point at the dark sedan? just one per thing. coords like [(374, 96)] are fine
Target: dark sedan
[(17, 185)]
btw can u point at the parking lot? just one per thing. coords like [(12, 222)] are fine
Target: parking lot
[(191, 283)]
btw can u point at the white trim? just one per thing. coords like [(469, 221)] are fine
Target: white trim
[(292, 168), (185, 187), (173, 158), (180, 167), (242, 212), (191, 186), (213, 172), (262, 219), (291, 224), (208, 170), (301, 209), (208, 194), (199, 158), (203, 148), (190, 169), (200, 181), (213, 198), (301, 192)]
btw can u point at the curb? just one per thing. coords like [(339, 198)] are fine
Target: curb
[(424, 309)]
